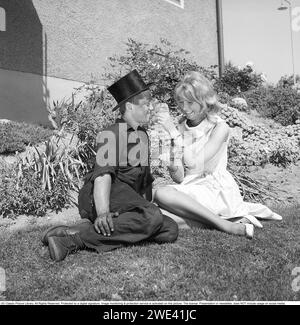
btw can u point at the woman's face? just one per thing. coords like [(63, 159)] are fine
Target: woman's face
[(191, 109)]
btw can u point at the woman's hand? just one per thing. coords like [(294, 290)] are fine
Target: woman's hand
[(164, 118)]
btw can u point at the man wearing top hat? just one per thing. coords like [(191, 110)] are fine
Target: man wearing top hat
[(115, 200)]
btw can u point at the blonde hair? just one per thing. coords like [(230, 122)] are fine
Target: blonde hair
[(195, 87)]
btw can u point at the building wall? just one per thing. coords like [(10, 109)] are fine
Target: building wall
[(21, 44), (72, 39), (25, 96)]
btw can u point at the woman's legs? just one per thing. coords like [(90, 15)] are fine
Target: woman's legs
[(184, 206)]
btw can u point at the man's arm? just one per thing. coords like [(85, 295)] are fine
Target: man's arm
[(102, 186), (103, 223), (148, 193)]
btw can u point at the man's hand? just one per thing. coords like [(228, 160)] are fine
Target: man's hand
[(104, 224)]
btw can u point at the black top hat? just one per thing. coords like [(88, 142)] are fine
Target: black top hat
[(128, 86)]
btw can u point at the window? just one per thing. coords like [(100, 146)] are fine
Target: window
[(178, 3), (2, 20)]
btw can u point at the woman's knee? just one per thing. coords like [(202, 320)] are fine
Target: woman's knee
[(164, 194)]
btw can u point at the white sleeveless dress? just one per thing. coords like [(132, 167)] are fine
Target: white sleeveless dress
[(212, 185)]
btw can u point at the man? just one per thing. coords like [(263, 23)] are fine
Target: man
[(115, 201)]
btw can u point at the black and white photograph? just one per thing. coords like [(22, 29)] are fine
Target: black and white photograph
[(150, 155)]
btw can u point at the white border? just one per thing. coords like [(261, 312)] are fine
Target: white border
[(181, 5), (159, 302)]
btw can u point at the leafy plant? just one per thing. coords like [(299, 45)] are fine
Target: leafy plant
[(283, 105), (85, 119), (235, 81), (257, 98), (284, 155), (162, 64), (15, 136), (57, 158), (288, 81), (23, 194)]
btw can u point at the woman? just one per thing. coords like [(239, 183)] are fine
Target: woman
[(207, 192)]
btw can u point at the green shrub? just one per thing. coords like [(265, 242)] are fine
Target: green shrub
[(258, 144), (288, 81), (86, 118), (16, 136), (280, 103), (284, 154), (25, 195), (257, 98), (162, 64), (59, 196), (283, 105), (224, 98), (235, 80), (59, 156), (43, 179), (246, 154)]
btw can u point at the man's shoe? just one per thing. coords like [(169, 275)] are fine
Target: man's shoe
[(62, 231), (57, 231), (61, 247)]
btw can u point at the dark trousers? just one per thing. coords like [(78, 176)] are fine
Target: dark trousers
[(139, 220), (130, 228)]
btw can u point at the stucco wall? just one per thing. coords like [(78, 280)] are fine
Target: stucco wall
[(21, 44), (48, 46), (25, 96), (78, 35)]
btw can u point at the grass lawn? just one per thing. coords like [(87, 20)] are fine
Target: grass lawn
[(202, 265)]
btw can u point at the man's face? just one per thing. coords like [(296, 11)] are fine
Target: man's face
[(141, 110)]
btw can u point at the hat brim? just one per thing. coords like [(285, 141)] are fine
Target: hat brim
[(136, 93)]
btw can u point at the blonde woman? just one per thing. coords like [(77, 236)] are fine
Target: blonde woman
[(206, 192)]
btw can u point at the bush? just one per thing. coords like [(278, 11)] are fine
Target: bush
[(60, 156), (235, 80), (25, 195), (288, 81), (162, 64), (16, 136), (257, 98), (85, 119), (259, 144), (282, 105), (284, 154), (257, 153), (246, 154), (42, 179)]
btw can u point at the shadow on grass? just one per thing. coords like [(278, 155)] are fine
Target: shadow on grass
[(202, 265)]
